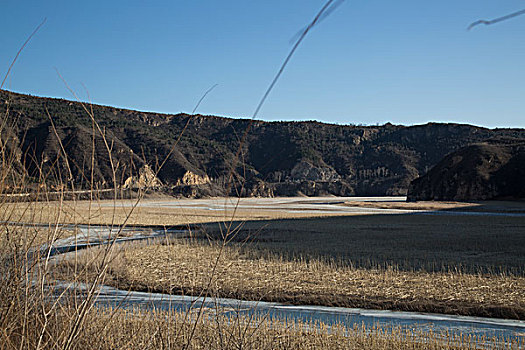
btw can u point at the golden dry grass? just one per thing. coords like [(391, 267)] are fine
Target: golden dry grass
[(104, 213), (135, 329), (493, 206), (424, 205), (30, 236), (152, 211), (185, 267)]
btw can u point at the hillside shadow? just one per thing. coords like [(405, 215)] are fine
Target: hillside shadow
[(501, 206), (469, 243)]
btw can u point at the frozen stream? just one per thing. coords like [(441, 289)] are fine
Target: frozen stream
[(477, 326), (108, 296)]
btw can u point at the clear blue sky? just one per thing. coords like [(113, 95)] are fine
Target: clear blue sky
[(372, 61)]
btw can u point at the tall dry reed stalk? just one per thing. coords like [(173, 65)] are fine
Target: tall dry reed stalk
[(32, 313)]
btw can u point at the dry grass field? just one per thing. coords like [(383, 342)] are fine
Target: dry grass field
[(155, 211), (429, 242), (183, 267), (136, 329), (464, 243), (458, 264), (299, 260), (412, 205), (106, 212), (470, 265), (482, 206)]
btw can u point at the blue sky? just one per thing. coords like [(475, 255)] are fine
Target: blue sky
[(372, 61)]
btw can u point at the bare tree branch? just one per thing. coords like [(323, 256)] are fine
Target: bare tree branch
[(328, 8), (20, 51), (496, 20), (323, 16)]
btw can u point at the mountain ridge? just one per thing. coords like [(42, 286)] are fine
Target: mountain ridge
[(278, 158)]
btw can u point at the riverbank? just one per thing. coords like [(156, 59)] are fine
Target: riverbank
[(218, 329), (191, 268)]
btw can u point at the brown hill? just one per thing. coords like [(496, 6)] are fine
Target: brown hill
[(278, 158), (494, 170)]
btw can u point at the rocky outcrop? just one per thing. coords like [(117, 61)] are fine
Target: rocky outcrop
[(191, 179), (479, 172), (146, 179)]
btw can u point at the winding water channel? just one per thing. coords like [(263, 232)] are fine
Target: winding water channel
[(108, 296), (89, 236)]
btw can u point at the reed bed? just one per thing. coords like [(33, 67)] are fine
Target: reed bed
[(136, 329), (433, 243), (185, 267), (423, 205)]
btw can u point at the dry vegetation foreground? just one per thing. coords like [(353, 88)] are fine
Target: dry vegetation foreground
[(136, 329), (475, 266), (182, 267)]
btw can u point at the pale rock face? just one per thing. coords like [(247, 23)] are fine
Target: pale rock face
[(145, 179), (190, 178), (307, 171)]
